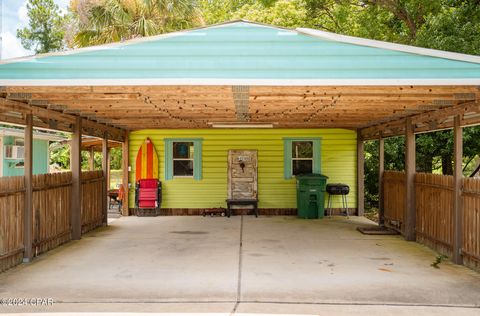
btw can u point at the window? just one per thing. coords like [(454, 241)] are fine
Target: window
[(301, 156), (19, 142), (183, 158)]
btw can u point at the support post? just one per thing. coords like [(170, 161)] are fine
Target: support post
[(76, 166), (457, 192), (360, 175), (381, 169), (91, 160), (28, 176), (410, 212), (106, 182), (125, 175)]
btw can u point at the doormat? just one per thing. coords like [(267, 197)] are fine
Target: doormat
[(377, 230)]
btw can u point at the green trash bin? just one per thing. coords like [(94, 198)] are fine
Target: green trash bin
[(311, 195)]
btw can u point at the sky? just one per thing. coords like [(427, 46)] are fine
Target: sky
[(14, 16)]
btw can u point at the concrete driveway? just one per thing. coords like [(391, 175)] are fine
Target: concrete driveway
[(272, 265)]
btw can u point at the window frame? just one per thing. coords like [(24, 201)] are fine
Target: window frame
[(197, 158), (288, 157), (183, 159)]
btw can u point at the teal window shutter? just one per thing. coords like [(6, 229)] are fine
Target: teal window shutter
[(316, 155), (168, 159), (287, 155), (287, 158), (197, 156), (197, 160)]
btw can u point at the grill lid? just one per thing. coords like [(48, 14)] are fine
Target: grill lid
[(338, 188)]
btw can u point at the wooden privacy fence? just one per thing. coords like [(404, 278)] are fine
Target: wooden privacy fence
[(471, 221), (51, 212), (394, 199), (92, 202), (12, 198), (434, 211)]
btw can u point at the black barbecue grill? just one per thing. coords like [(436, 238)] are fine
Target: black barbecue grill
[(337, 189)]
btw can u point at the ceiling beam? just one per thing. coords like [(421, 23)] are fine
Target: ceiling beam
[(424, 122), (90, 127)]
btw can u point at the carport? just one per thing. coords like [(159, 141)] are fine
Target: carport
[(244, 264), (374, 88)]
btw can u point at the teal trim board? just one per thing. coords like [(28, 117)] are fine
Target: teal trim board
[(236, 51)]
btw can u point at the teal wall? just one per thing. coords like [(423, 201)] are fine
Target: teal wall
[(40, 158)]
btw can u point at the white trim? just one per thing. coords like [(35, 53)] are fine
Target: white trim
[(249, 82), (138, 40), (36, 134), (282, 31), (240, 125), (93, 48), (389, 46)]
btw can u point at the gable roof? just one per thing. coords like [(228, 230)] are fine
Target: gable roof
[(245, 53)]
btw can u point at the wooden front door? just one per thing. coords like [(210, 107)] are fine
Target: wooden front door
[(242, 174)]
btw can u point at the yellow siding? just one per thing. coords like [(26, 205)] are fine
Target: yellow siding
[(338, 156)]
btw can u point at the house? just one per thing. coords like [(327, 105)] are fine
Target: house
[(208, 107), (12, 151), (302, 99)]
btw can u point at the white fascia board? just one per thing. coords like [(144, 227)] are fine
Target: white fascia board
[(248, 82), (36, 135), (390, 46), (93, 48), (138, 40)]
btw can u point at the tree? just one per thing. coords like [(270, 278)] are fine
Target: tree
[(44, 33), (455, 28), (106, 21), (286, 13)]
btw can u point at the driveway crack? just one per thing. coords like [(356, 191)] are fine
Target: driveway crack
[(239, 277)]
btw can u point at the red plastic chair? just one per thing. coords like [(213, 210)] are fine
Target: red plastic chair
[(148, 193)]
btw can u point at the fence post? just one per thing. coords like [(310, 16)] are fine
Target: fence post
[(360, 175), (457, 189), (76, 166), (125, 162), (410, 212), (28, 178), (381, 169), (106, 182), (91, 159)]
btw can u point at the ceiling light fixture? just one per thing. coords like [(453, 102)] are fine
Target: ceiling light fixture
[(241, 125)]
